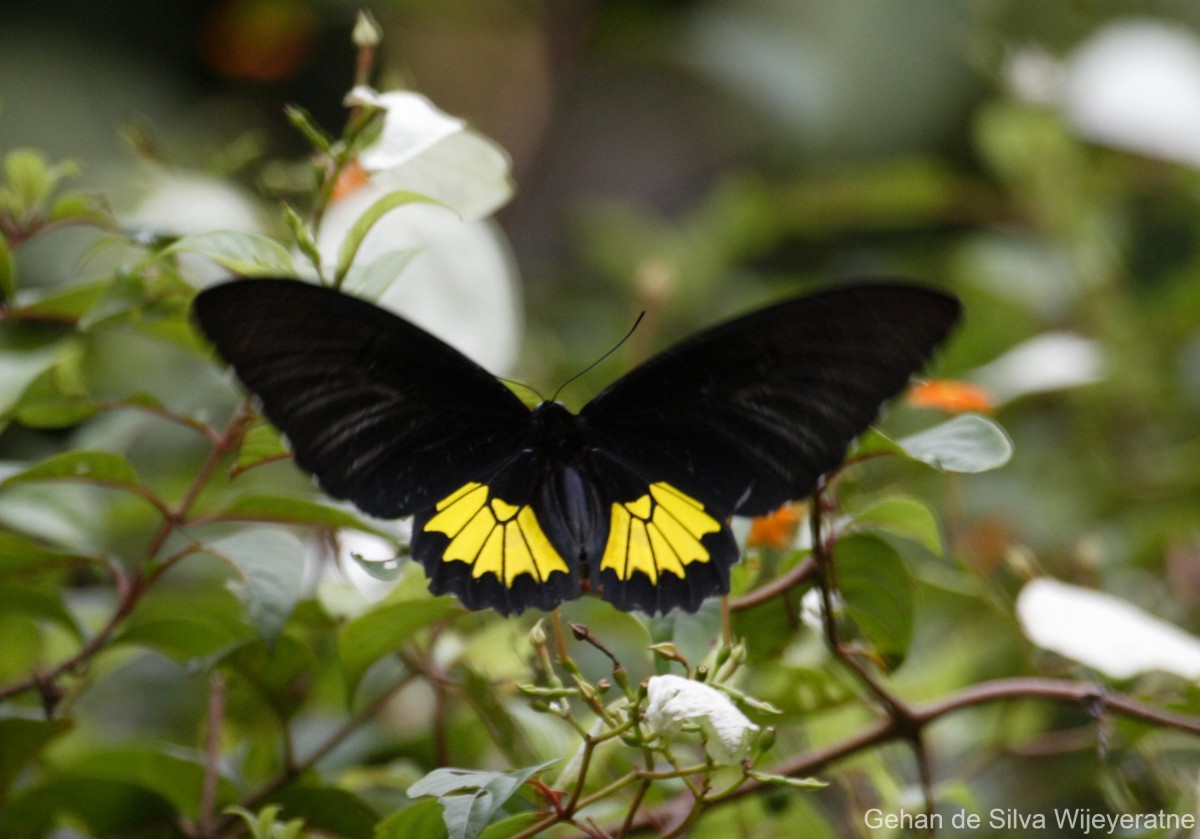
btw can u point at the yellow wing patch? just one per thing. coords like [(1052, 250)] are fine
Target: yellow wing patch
[(657, 533), (493, 536)]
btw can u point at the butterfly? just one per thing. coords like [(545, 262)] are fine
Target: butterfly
[(515, 508)]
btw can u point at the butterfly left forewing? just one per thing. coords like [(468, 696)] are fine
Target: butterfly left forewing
[(381, 412)]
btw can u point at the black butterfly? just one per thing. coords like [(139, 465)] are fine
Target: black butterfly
[(515, 508)]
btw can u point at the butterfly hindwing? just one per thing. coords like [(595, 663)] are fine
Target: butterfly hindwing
[(751, 413), (496, 543), (380, 411), (663, 549)]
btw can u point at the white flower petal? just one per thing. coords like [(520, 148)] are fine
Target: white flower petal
[(462, 284), (426, 151), (673, 701), (1051, 361), (412, 125), (1136, 85), (1104, 632)]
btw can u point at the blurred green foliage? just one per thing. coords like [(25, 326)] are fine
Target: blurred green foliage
[(179, 636)]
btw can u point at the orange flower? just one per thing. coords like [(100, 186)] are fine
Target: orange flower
[(776, 529), (350, 180), (951, 396)]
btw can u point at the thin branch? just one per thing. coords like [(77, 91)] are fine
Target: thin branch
[(778, 587), (885, 729)]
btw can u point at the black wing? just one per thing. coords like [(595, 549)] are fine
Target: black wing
[(381, 412), (752, 412)]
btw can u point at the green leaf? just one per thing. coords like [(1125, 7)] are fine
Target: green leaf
[(359, 230), (21, 556), (50, 401), (21, 740), (529, 397), (25, 354), (878, 592), (8, 272), (264, 825), (786, 780), (78, 207), (369, 637), (28, 178), (302, 236), (470, 798), (246, 254), (68, 304), (106, 808), (371, 281), (177, 779), (969, 443), (283, 510), (329, 810), (420, 820), (181, 639), (272, 567), (903, 516), (511, 826), (126, 293), (262, 444), (102, 468), (307, 126)]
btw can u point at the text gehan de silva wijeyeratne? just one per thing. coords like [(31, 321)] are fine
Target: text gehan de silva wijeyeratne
[(1081, 821)]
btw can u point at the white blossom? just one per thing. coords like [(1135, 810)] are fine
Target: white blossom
[(423, 150), (674, 701), (1103, 631)]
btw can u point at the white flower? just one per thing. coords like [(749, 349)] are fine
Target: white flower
[(179, 202), (1136, 85), (461, 285), (674, 701), (1050, 361), (1104, 632), (426, 151)]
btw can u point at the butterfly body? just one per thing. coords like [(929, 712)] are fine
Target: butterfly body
[(516, 508)]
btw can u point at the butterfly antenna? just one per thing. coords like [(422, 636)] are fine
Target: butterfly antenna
[(592, 366)]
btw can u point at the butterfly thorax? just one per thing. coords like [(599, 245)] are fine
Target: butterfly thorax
[(556, 433)]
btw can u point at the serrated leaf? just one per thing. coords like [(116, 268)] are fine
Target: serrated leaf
[(262, 444), (969, 443), (362, 226), (247, 254), (271, 564), (902, 516), (369, 637), (47, 403), (284, 510), (511, 826), (878, 592)]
